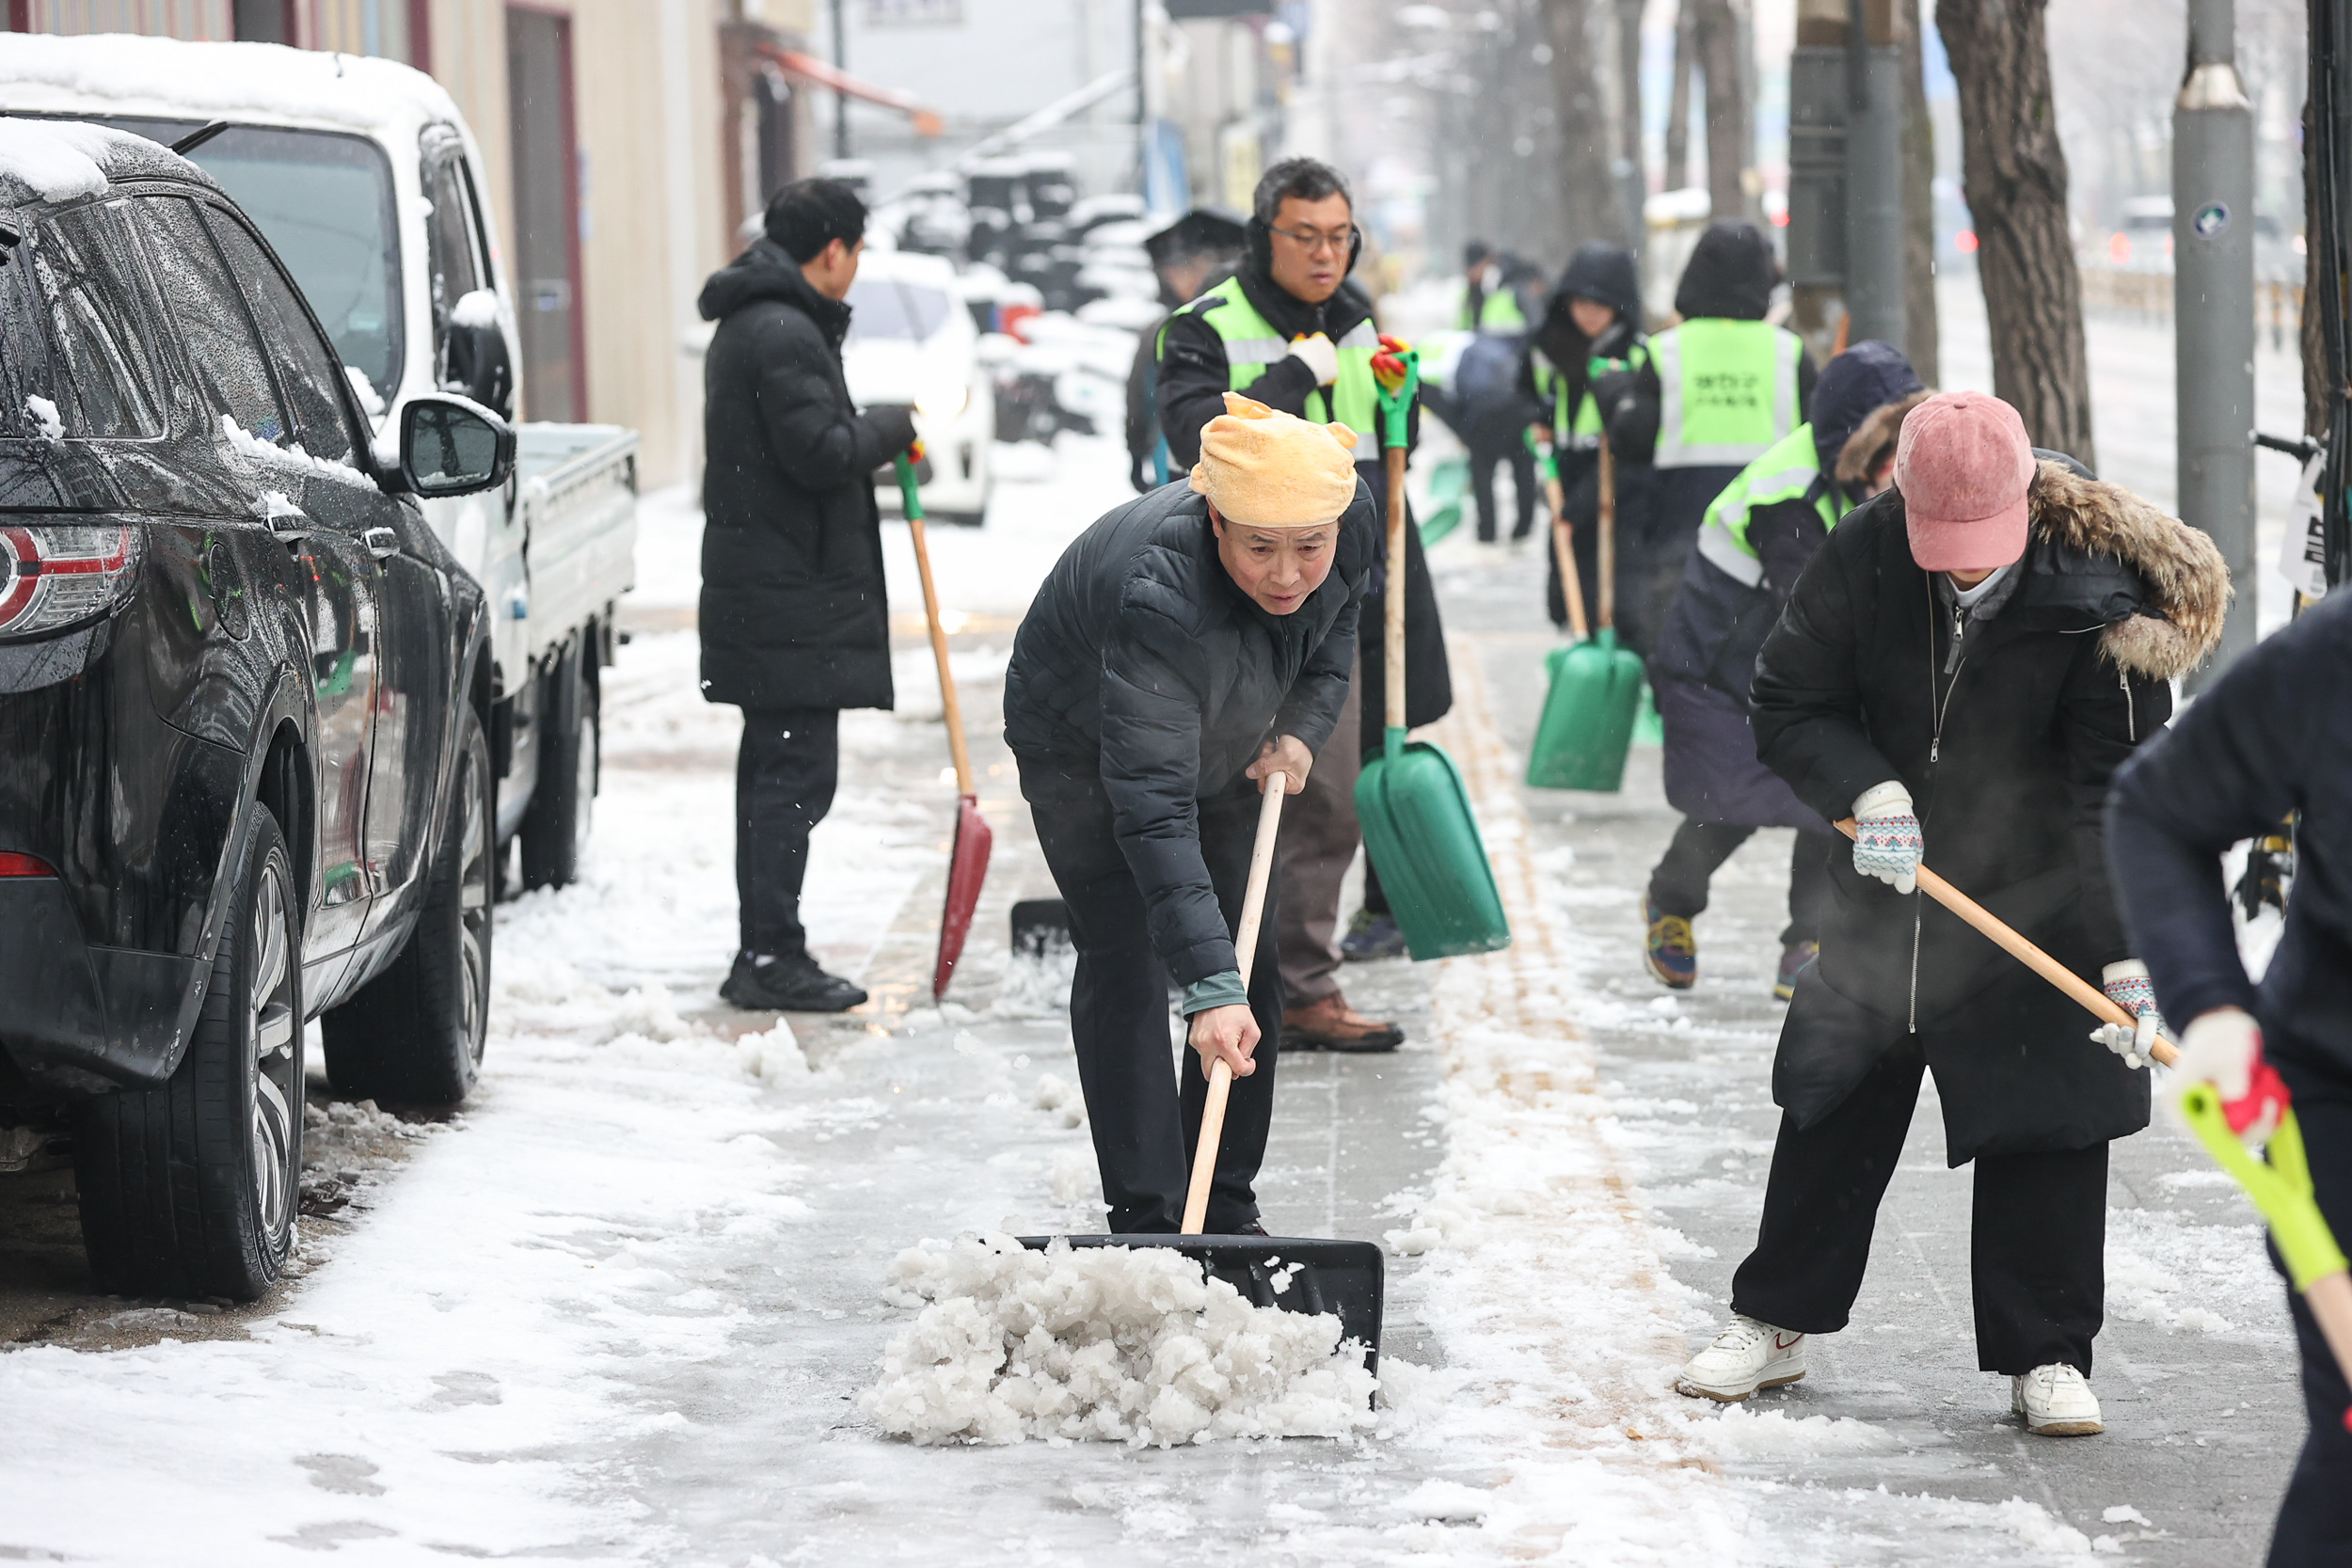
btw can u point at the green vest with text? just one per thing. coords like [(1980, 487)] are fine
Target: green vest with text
[(1252, 347), (1727, 391), (1787, 471)]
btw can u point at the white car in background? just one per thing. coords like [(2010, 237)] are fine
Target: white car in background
[(913, 341)]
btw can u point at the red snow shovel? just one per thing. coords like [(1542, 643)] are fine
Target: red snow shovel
[(967, 863), (1296, 1274)]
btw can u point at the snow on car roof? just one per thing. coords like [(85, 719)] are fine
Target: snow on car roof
[(58, 160), (227, 80)]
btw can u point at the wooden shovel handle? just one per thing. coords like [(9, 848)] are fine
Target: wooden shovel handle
[(1608, 562), (1394, 458), (1564, 551), (1245, 949), (949, 708), (2005, 937)]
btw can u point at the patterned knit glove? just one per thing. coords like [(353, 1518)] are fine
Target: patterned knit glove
[(1887, 842), (2129, 986)]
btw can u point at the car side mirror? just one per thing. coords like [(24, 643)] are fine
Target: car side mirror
[(453, 446), (480, 367)]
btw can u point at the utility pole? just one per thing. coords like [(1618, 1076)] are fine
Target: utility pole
[(1846, 175), (2213, 307), (1630, 173), (841, 64)]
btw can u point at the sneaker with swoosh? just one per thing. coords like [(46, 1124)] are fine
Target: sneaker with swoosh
[(1747, 1355)]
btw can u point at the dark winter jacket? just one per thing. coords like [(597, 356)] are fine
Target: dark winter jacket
[(793, 609), (1194, 379), (1486, 402), (1139, 656), (1609, 275), (2007, 742), (2272, 735)]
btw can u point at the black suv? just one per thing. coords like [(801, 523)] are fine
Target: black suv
[(243, 690)]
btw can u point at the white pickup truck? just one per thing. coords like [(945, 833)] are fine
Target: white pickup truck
[(367, 183)]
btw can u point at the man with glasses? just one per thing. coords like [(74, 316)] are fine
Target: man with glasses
[(1292, 332)]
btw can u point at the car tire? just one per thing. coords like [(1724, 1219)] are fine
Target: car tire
[(413, 1035), (192, 1188), (555, 825)]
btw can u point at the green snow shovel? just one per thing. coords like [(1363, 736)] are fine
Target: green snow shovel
[(1409, 799), (1448, 482), (1587, 723)]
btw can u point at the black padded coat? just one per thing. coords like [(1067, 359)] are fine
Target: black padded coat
[(1141, 658), (793, 609), (2007, 749)]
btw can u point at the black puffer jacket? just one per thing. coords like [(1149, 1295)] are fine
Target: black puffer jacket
[(1141, 656), (793, 609), (1194, 379), (2007, 746)]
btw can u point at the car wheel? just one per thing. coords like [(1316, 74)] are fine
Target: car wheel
[(414, 1034), (555, 824), (189, 1189)]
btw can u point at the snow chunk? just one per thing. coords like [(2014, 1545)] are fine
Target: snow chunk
[(251, 446), (370, 401), (1064, 1101), (1115, 1344), (774, 1055), (45, 161), (475, 308), (42, 412), (2124, 1513), (226, 80), (1741, 1433)]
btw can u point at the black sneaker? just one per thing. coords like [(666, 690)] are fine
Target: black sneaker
[(792, 984)]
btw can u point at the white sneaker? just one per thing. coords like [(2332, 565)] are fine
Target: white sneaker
[(2055, 1401), (1745, 1356)]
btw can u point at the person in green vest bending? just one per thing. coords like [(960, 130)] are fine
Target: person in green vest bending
[(1591, 334), (1292, 332), (1753, 545), (1722, 386)]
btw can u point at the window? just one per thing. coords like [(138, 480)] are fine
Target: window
[(95, 376), (223, 350), (308, 371), (449, 232), (884, 308)]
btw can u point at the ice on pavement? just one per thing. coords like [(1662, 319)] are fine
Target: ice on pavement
[(1116, 1345)]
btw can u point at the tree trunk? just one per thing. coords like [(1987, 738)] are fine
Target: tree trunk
[(2013, 174), (1924, 348), (1678, 171), (1588, 196), (1717, 34)]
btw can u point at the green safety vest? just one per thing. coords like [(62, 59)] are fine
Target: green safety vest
[(1727, 389), (1502, 312), (1580, 428), (1788, 469), (1252, 345)]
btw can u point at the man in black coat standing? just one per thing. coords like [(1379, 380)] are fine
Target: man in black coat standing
[(1963, 665), (2274, 735), (1188, 645), (795, 622)]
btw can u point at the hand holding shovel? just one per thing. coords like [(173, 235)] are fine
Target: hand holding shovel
[(1221, 1069)]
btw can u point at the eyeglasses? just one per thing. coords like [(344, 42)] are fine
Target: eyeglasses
[(1315, 244)]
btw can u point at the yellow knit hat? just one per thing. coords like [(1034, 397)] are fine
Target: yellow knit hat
[(1270, 469)]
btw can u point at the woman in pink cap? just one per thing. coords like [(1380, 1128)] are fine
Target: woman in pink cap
[(1961, 669)]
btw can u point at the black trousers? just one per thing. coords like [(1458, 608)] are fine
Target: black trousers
[(2316, 1519), (1679, 884), (1483, 461), (1145, 1113), (785, 773), (2037, 1244)]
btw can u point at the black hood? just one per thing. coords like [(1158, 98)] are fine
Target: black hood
[(764, 271), (1605, 274), (1731, 273), (1853, 385)]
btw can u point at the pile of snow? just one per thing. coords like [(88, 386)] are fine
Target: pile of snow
[(227, 80), (42, 162), (1105, 1343)]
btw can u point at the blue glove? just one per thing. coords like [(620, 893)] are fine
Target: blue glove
[(1886, 840)]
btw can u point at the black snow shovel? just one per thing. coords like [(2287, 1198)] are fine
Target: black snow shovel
[(1296, 1274)]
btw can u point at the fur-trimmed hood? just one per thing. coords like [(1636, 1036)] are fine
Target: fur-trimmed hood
[(1873, 437), (2177, 622)]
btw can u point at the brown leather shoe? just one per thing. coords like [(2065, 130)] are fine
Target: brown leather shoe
[(1331, 1024)]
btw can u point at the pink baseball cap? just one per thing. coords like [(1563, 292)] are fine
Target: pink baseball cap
[(1965, 466)]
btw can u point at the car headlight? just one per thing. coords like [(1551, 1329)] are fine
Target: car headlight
[(942, 400), (55, 574)]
